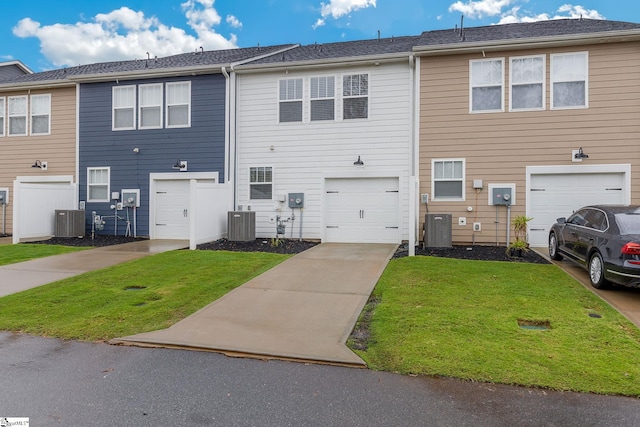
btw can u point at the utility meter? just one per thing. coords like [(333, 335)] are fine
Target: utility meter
[(3, 197), (296, 200), (501, 196)]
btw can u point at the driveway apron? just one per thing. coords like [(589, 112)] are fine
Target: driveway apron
[(302, 309), (25, 275)]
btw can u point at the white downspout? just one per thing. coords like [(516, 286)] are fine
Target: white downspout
[(414, 81)]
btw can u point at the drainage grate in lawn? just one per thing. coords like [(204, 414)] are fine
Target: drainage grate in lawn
[(135, 288), (535, 325)]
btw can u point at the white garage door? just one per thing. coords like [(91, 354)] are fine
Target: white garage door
[(552, 196), (362, 210), (172, 209)]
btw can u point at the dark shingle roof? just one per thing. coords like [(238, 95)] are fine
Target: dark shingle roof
[(529, 30), (342, 50), (212, 58)]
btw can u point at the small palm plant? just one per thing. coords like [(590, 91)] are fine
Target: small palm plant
[(520, 244)]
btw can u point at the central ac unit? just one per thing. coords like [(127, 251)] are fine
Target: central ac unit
[(69, 223), (437, 231), (241, 226)]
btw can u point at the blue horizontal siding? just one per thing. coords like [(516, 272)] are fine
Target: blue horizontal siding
[(202, 145)]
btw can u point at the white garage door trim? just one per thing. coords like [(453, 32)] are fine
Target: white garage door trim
[(538, 234), (154, 178), (392, 234)]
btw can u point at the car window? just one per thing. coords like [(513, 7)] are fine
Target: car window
[(578, 218), (596, 219), (628, 223)]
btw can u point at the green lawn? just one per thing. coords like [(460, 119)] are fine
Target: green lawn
[(460, 318), (139, 296), (10, 254)]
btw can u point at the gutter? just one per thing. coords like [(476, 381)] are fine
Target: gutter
[(45, 84), (528, 43)]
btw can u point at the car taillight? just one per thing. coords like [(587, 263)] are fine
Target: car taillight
[(631, 248)]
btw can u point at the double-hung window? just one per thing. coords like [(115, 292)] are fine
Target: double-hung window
[(2, 115), (487, 85), (98, 184), (40, 114), (261, 183), (124, 107), (527, 83), (290, 96), (150, 106), (355, 96), (448, 179), (569, 80), (322, 98), (17, 115), (178, 104)]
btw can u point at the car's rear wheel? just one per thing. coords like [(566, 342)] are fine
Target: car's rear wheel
[(553, 247), (596, 272)]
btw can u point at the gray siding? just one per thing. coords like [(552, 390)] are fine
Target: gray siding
[(202, 144)]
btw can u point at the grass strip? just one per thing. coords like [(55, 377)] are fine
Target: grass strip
[(139, 296), (10, 254), (460, 318)]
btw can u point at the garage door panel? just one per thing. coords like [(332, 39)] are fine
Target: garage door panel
[(558, 195)]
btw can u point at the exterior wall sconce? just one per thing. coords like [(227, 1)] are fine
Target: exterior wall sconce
[(40, 165), (358, 162), (578, 155), (180, 165), (136, 150)]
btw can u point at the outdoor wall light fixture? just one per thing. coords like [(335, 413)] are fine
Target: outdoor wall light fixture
[(580, 154), (180, 165), (136, 150), (358, 162), (40, 165)]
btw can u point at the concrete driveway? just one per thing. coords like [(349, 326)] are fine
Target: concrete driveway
[(302, 309), (625, 300)]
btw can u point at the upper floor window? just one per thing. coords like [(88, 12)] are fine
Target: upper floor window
[(2, 109), (290, 100), (261, 183), (487, 85), (98, 184), (178, 104), (40, 114), (569, 80), (124, 106), (322, 98), (527, 83), (448, 179), (355, 92), (17, 115), (150, 113)]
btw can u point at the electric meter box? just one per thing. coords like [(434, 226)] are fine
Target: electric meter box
[(3, 197), (131, 198), (501, 196), (296, 200)]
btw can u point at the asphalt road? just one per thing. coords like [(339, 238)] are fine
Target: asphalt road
[(69, 383)]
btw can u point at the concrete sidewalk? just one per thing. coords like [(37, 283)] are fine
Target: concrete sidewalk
[(30, 274), (302, 309)]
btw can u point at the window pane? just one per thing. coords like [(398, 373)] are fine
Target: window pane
[(40, 105), (178, 115), (355, 108), (178, 93), (569, 67), (486, 98), (40, 124), (150, 117), (448, 189), (18, 106), (1, 126), (260, 191), (322, 109), (123, 118), (98, 192), (526, 96), (485, 73), (291, 111), (527, 70), (17, 125), (570, 94)]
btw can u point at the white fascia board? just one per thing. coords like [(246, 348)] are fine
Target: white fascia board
[(46, 84)]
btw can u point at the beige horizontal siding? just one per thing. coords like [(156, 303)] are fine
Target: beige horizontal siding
[(499, 146), (18, 153)]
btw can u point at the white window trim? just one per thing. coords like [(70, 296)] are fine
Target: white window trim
[(544, 80), (113, 108), (300, 100), (188, 124), (31, 115), (586, 81), (3, 111), (108, 169), (26, 115), (323, 98), (141, 107), (463, 180), (249, 183), (343, 96), (501, 109)]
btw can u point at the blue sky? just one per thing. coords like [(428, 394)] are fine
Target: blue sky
[(74, 32)]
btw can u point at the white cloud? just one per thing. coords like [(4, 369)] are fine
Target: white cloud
[(339, 8), (565, 11), (481, 8), (233, 21), (126, 34)]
